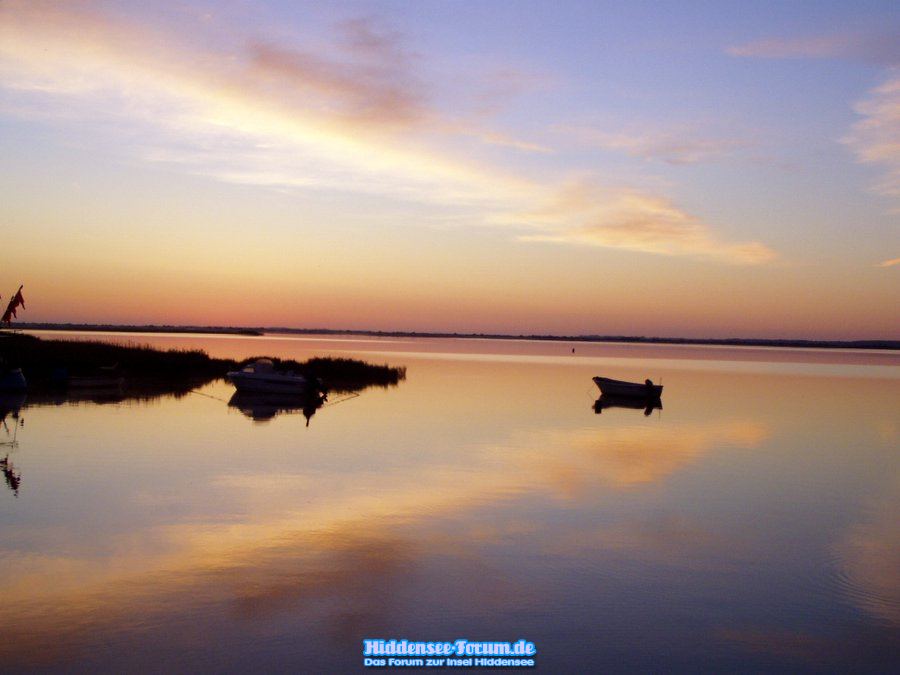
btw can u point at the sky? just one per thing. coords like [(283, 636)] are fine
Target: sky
[(696, 169)]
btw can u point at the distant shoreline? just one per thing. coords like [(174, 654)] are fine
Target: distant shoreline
[(626, 339), (117, 328)]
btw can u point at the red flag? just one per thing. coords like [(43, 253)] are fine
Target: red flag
[(14, 302)]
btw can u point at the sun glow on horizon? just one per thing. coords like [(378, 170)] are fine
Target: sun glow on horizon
[(328, 170)]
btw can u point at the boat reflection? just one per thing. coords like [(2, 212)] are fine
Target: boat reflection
[(648, 405), (10, 405), (110, 393), (12, 477), (264, 406), (105, 387)]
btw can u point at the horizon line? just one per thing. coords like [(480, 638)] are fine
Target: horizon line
[(868, 343)]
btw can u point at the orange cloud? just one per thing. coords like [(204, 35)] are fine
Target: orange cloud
[(590, 215), (890, 263)]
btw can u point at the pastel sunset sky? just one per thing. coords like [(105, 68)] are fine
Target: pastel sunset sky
[(668, 168)]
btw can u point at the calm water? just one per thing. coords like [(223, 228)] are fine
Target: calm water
[(751, 525)]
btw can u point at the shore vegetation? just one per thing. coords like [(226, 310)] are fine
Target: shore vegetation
[(48, 364)]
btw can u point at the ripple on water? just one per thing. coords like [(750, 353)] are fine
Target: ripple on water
[(864, 577)]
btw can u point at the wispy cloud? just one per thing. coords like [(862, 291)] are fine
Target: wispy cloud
[(588, 214), (675, 146), (876, 137), (877, 46), (349, 116), (346, 110), (890, 263), (373, 87)]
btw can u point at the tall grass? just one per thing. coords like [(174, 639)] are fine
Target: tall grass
[(49, 362)]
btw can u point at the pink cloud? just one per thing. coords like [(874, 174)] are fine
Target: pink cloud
[(676, 146), (880, 47)]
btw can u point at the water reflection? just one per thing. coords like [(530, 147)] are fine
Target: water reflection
[(869, 558), (114, 393), (327, 586), (736, 533), (584, 460), (12, 477), (99, 395), (648, 405), (262, 407), (10, 405)]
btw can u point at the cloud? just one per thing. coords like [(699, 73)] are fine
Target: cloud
[(878, 46), (75, 48), (373, 87), (588, 214), (890, 263), (349, 115), (343, 110), (876, 137), (676, 147)]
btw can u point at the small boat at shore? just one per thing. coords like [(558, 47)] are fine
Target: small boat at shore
[(95, 382), (85, 378), (618, 388), (261, 377), (12, 380)]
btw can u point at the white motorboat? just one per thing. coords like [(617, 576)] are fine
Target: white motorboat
[(646, 390), (261, 376)]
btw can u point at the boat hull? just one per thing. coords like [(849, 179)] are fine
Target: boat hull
[(258, 384), (95, 382), (610, 387), (13, 380)]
